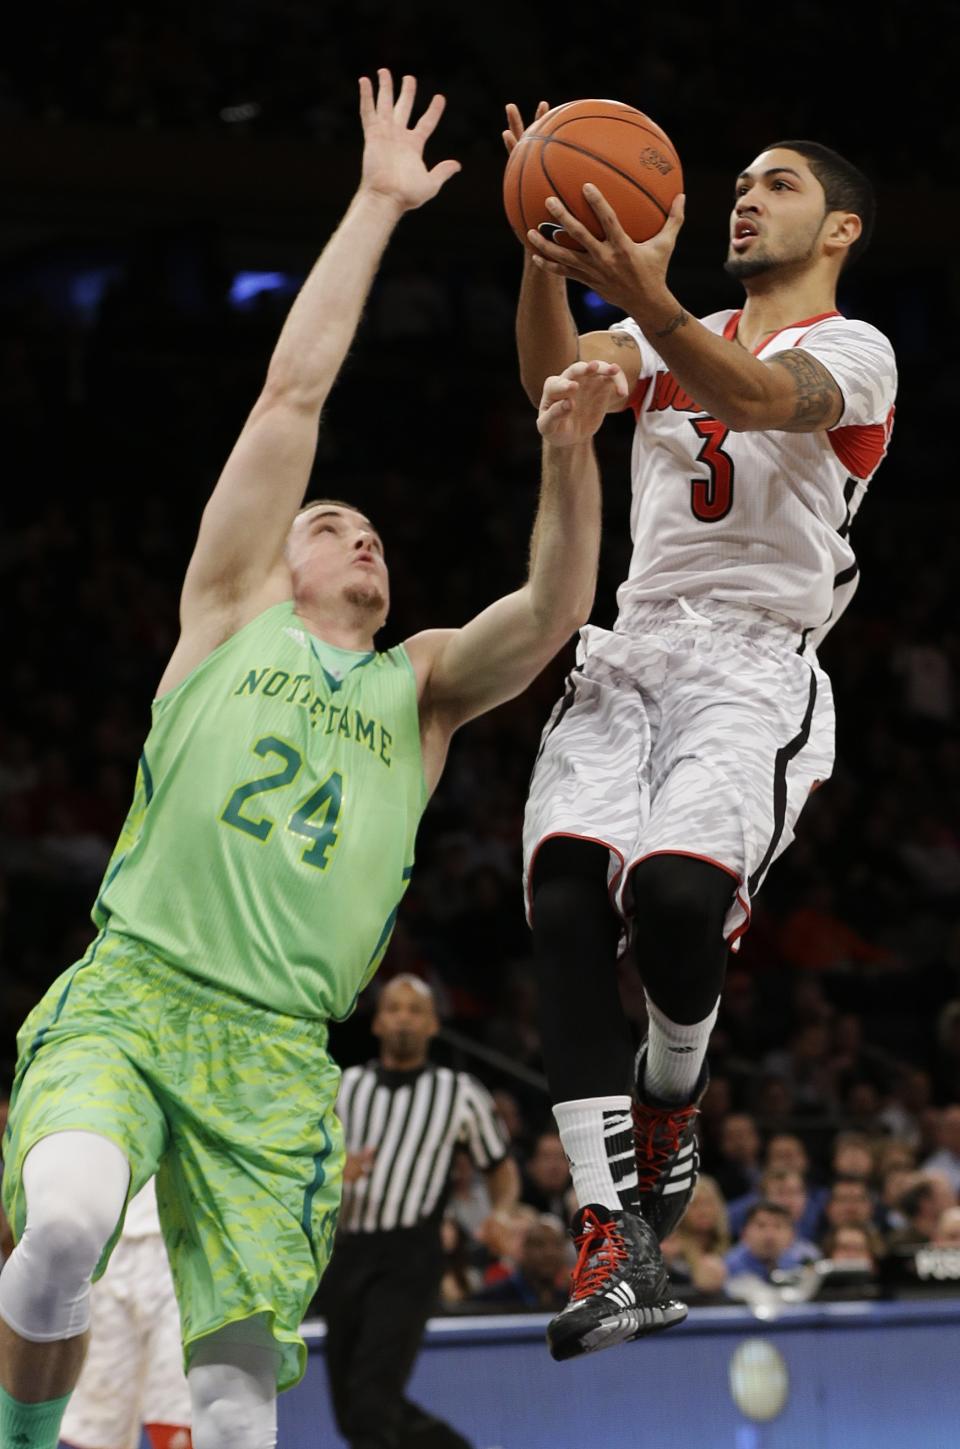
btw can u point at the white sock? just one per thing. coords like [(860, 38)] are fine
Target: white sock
[(675, 1055), (597, 1136)]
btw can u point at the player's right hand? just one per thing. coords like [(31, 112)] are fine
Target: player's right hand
[(574, 404), (515, 126)]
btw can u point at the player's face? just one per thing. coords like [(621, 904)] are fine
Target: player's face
[(336, 555), (778, 215)]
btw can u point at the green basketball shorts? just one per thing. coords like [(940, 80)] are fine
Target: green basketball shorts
[(230, 1104)]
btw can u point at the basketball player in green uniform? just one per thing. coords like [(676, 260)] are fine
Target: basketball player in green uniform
[(255, 883)]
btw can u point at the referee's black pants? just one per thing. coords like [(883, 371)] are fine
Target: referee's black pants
[(376, 1296)]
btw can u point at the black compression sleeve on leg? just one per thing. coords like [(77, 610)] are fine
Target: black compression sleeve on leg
[(680, 905), (587, 1044)]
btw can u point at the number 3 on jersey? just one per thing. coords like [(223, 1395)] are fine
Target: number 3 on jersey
[(315, 817), (712, 498)]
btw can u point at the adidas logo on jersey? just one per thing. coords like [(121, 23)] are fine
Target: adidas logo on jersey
[(297, 635)]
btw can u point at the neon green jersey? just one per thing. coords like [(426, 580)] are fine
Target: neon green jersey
[(272, 829)]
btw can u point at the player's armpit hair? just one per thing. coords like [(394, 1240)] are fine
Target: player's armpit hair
[(818, 400)]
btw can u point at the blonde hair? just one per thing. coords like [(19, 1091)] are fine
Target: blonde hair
[(689, 1243)]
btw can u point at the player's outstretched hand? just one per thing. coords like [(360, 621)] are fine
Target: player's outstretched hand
[(515, 126), (624, 272), (575, 404), (393, 164)]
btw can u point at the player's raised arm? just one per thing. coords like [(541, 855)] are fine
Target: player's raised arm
[(463, 672), (547, 339), (792, 392), (238, 564)]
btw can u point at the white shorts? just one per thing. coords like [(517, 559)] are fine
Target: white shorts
[(133, 1372), (700, 733)]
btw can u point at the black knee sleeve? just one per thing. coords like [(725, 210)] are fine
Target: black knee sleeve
[(680, 906), (587, 1045)]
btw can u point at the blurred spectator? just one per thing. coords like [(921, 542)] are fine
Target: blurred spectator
[(694, 1252), (514, 1123), (947, 1234), (546, 1183), (852, 1156), (460, 1280), (854, 1245), (814, 936), (787, 1152), (787, 1189), (469, 1200), (848, 1204), (920, 1211), (737, 1166), (803, 1066), (538, 1284), (774, 1105), (911, 1096), (768, 1243), (894, 1182), (947, 1159)]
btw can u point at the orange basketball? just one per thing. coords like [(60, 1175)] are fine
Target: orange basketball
[(618, 148)]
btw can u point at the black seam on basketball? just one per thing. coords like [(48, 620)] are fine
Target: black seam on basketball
[(555, 188), (624, 121), (570, 146), (522, 168)]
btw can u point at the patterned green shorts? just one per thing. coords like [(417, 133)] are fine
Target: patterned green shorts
[(231, 1105)]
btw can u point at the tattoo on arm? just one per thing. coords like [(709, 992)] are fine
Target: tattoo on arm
[(680, 320), (623, 339), (818, 401)]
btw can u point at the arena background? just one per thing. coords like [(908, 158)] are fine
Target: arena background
[(168, 175)]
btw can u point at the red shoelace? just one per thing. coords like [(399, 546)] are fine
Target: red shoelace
[(657, 1133), (602, 1250)]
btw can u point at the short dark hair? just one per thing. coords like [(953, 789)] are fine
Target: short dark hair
[(845, 188), (765, 1206)]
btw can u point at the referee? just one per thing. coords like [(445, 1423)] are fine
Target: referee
[(402, 1118)]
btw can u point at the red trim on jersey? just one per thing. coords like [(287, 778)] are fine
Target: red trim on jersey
[(571, 835), (636, 398), (861, 446), (811, 322), (731, 326)]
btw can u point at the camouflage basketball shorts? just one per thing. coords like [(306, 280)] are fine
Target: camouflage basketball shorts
[(231, 1105)]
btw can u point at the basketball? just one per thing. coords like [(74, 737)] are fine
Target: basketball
[(625, 154)]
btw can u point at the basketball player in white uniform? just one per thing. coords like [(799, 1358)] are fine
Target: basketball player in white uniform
[(133, 1373), (672, 772)]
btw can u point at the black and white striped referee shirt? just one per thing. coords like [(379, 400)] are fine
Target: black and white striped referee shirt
[(413, 1121)]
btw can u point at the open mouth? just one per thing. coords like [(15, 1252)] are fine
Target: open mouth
[(743, 234)]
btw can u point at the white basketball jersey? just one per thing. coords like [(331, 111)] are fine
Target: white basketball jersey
[(760, 519)]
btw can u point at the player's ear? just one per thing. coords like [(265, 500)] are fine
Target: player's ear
[(843, 228)]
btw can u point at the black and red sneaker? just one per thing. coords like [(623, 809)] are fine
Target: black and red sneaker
[(620, 1287), (668, 1156)]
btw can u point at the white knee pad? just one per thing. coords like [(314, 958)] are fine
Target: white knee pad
[(75, 1185), (233, 1388)]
